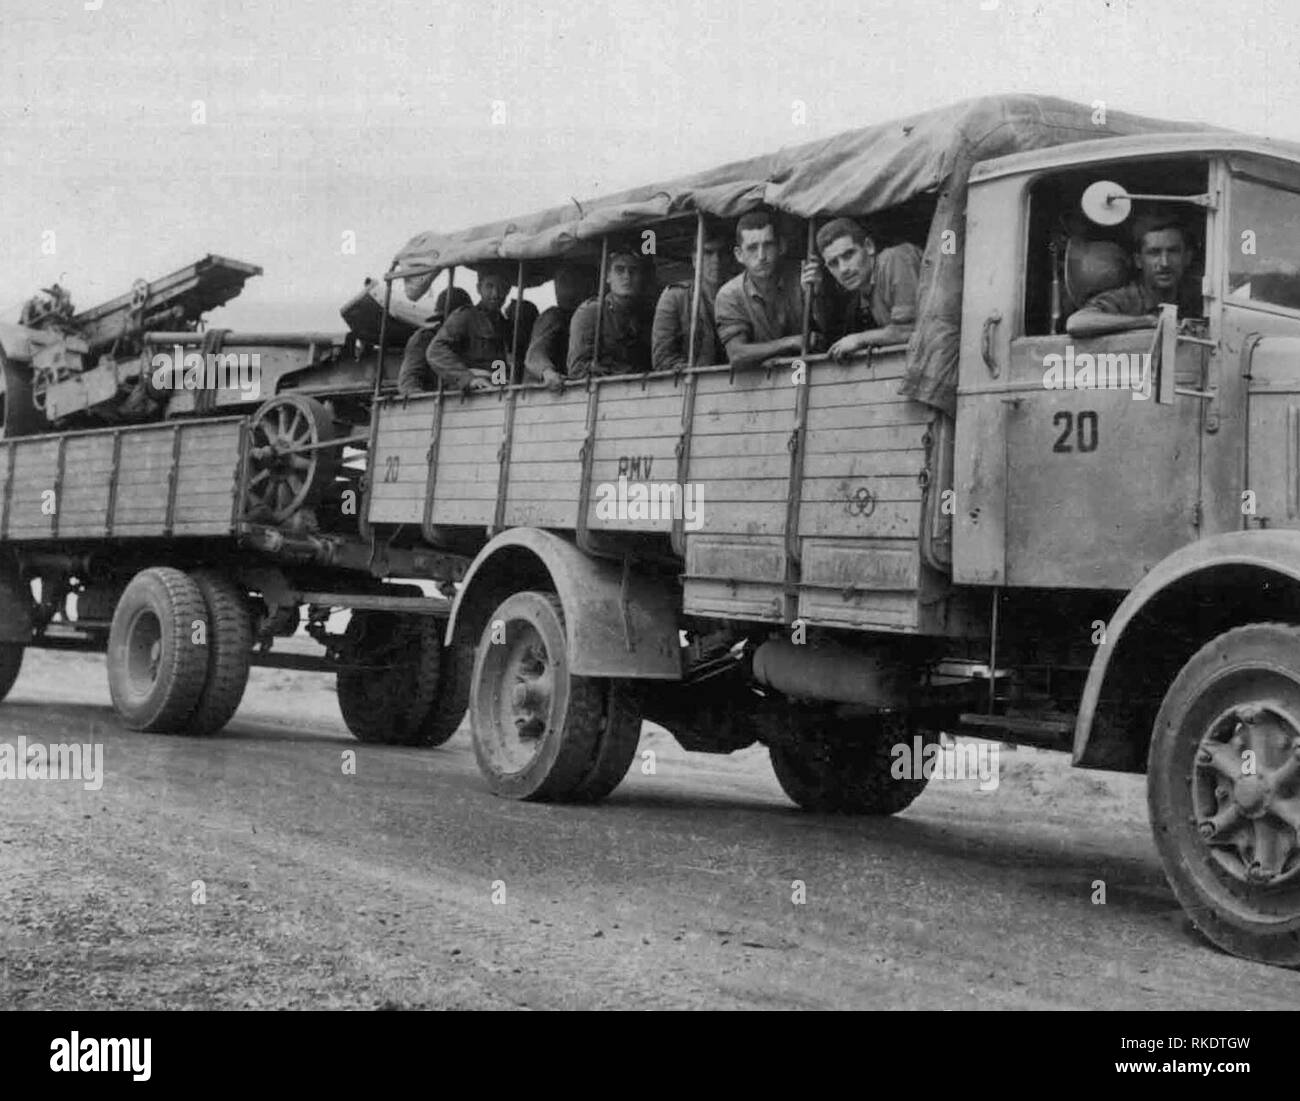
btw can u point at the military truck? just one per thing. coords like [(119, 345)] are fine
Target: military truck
[(934, 538), (960, 535)]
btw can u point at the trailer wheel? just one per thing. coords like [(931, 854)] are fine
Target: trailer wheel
[(536, 727), (835, 765), (448, 710), (11, 660), (230, 648), (393, 681), (1223, 791), (156, 672), (16, 601)]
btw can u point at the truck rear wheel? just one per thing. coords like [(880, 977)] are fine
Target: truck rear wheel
[(156, 671), (1223, 791), (538, 730), (835, 765), (620, 733), (389, 690), (230, 648), (448, 710)]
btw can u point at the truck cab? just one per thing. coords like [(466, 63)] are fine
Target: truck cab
[(1071, 470)]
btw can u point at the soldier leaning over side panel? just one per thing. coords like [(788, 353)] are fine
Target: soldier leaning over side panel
[(415, 376), (760, 312), (625, 328), (548, 351), (882, 286), (1162, 254), (672, 321), (474, 338)]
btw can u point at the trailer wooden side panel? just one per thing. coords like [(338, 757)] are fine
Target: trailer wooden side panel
[(178, 478)]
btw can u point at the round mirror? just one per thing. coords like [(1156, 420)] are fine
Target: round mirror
[(1106, 203)]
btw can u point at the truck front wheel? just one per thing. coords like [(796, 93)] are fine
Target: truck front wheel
[(1223, 791), (839, 765)]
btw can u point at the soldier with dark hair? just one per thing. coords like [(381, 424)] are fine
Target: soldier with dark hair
[(1163, 251), (625, 326), (882, 286), (548, 351), (672, 321), (474, 340), (760, 312), (416, 375)]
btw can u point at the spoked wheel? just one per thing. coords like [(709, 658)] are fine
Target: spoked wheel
[(1223, 785), (293, 459), (840, 765), (541, 733)]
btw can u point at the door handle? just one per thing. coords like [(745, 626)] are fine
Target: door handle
[(986, 342)]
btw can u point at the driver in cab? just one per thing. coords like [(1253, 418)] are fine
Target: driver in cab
[(1162, 254)]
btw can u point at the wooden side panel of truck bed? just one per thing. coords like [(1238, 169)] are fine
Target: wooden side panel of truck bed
[(857, 502), (177, 478)]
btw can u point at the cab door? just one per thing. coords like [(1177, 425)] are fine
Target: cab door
[(1102, 480)]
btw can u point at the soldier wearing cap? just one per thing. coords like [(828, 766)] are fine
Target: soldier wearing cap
[(625, 327), (547, 359), (415, 375), (474, 340), (1162, 254)]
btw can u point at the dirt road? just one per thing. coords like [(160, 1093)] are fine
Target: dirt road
[(252, 870)]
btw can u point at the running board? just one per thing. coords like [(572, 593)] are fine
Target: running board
[(1045, 733)]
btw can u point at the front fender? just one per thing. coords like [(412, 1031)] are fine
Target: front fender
[(1277, 551), (603, 641)]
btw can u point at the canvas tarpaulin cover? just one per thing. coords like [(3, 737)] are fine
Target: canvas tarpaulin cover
[(860, 172)]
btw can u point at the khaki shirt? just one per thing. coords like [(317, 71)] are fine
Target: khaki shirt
[(742, 312), (672, 327), (890, 297), (550, 344), (624, 338), (1134, 300), (469, 343)]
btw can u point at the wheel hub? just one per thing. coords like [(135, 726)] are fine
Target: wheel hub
[(1246, 793), (531, 691)]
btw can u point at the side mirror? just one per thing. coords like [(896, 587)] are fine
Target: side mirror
[(1106, 203)]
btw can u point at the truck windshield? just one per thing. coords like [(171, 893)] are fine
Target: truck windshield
[(1264, 247)]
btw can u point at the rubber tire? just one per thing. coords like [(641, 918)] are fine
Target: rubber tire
[(230, 652), (389, 706), (11, 661), (832, 767), (567, 754), (619, 721), (175, 600), (1193, 879), (448, 710)]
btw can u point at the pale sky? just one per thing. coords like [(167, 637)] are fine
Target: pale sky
[(145, 134)]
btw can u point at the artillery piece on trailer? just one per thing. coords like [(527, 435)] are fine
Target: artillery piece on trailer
[(145, 356)]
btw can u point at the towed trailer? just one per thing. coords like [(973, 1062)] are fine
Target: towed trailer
[(145, 544)]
